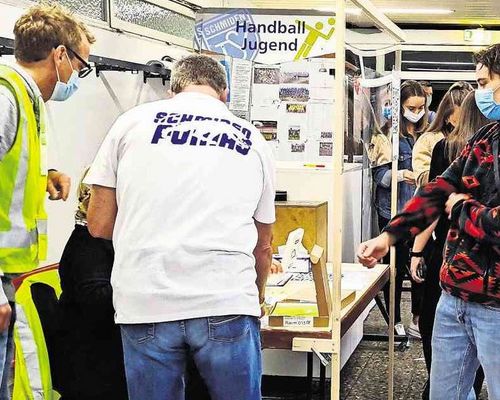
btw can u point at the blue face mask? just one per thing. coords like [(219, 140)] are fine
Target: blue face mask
[(63, 91), (486, 103), (387, 112)]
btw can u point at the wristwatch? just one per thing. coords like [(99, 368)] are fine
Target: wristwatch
[(416, 253)]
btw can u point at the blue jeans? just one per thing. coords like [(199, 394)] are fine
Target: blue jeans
[(7, 356), (226, 351), (465, 335), (4, 389)]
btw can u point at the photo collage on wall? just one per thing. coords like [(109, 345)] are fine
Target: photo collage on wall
[(294, 100), (290, 103)]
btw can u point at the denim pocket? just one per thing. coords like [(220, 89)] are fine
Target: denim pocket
[(228, 328), (140, 333)]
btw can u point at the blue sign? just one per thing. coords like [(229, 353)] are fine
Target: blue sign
[(219, 34)]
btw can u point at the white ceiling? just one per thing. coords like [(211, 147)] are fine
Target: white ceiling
[(467, 12)]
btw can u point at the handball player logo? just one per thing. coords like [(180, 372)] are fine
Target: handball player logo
[(218, 34)]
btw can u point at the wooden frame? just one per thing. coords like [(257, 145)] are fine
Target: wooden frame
[(338, 152), (331, 342)]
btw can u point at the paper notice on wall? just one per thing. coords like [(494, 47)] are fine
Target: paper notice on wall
[(241, 79), (325, 149), (294, 132), (320, 120), (298, 147), (242, 114), (322, 73), (268, 129), (265, 90)]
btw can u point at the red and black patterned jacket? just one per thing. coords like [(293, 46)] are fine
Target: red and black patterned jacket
[(471, 260)]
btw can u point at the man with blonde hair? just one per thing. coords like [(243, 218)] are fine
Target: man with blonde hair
[(192, 236), (51, 50)]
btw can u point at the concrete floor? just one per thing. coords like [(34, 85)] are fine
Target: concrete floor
[(364, 377)]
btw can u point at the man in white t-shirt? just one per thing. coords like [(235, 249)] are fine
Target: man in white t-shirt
[(186, 191)]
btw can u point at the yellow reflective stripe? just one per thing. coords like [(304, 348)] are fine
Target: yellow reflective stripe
[(42, 247), (30, 354)]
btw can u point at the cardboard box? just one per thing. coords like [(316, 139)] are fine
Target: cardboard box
[(304, 315)]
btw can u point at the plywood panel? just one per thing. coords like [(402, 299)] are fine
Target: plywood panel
[(310, 215)]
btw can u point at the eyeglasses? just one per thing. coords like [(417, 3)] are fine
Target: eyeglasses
[(86, 69)]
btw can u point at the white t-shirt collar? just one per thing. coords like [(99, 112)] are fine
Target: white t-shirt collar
[(188, 96)]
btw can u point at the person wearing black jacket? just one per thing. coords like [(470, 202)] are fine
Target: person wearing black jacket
[(91, 362)]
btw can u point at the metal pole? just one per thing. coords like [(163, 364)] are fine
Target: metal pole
[(394, 206)]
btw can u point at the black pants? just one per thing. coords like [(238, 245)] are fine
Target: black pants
[(195, 386), (430, 298), (402, 262)]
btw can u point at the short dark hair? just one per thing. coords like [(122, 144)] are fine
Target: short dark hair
[(425, 83), (490, 58)]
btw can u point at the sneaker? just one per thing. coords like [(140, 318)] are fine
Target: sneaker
[(400, 329), (414, 331)]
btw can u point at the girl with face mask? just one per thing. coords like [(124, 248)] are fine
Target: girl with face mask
[(413, 120), (446, 119)]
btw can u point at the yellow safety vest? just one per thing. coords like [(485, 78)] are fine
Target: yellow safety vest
[(23, 182), (32, 378)]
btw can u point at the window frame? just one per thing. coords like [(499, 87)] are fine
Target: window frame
[(118, 24)]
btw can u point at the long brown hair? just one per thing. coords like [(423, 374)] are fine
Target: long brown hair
[(454, 97), (411, 89), (471, 120)]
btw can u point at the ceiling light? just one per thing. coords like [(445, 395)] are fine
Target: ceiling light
[(351, 11), (400, 11), (423, 11)]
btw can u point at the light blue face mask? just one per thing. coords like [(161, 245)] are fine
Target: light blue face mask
[(63, 91), (486, 103), (387, 112)]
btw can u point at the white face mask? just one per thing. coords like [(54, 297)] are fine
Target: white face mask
[(412, 117)]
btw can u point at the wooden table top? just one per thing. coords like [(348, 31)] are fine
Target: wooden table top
[(367, 283)]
